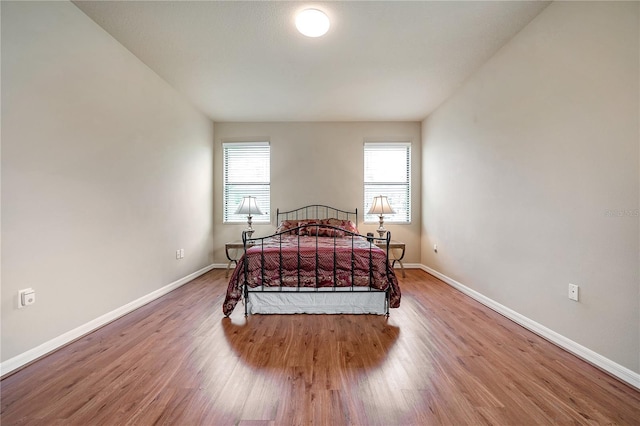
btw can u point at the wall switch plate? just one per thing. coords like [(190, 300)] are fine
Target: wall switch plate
[(573, 292), (181, 253), (435, 248), (178, 254)]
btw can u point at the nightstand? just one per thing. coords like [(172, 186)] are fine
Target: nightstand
[(396, 250), (236, 248)]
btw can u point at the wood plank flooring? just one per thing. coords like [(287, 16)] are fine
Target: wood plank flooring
[(441, 358)]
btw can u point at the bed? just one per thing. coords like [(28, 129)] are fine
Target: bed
[(316, 262)]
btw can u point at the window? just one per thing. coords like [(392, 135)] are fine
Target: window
[(387, 171), (246, 172)]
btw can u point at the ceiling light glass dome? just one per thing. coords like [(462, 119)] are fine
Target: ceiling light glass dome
[(312, 22)]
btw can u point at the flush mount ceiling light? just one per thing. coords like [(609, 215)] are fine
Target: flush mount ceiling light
[(312, 23)]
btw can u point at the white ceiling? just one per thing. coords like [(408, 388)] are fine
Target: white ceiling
[(245, 61)]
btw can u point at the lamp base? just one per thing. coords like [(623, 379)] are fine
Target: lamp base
[(249, 231), (381, 230)]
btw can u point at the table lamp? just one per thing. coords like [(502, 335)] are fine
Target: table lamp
[(381, 206), (248, 206)]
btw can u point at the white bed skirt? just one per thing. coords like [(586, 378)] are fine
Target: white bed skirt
[(360, 301)]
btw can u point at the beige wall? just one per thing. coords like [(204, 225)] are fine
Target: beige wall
[(528, 167), (106, 171), (318, 163)]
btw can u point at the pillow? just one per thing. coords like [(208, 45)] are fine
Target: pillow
[(287, 225), (347, 225), (310, 230), (320, 231), (325, 232)]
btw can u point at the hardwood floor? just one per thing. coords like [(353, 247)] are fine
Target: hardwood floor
[(441, 358)]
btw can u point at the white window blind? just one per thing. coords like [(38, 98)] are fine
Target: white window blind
[(246, 172), (387, 171)]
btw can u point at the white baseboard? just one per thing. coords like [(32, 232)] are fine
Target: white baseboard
[(611, 367), (411, 266), (220, 266), (55, 343)]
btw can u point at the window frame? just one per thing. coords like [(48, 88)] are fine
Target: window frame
[(405, 219), (228, 212)]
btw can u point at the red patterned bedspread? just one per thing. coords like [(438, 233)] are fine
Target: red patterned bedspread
[(322, 264)]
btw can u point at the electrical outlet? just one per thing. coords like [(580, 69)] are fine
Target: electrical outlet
[(178, 254), (435, 248), (573, 292), (26, 297), (181, 253)]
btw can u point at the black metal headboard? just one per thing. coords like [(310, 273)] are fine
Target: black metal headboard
[(317, 211)]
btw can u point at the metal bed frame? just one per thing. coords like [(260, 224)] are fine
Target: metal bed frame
[(318, 211)]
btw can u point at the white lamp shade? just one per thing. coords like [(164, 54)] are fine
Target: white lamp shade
[(248, 206), (381, 206)]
